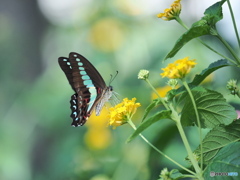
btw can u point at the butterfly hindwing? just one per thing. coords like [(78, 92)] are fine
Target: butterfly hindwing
[(79, 110), (90, 89)]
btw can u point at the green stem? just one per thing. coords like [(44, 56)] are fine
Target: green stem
[(160, 152), (179, 20), (229, 48), (189, 150), (177, 119), (190, 176), (197, 116), (234, 22), (161, 99)]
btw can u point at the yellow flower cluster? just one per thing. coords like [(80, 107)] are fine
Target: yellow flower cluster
[(172, 12), (122, 112), (179, 68)]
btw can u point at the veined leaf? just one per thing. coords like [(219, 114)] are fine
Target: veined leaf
[(212, 108), (200, 28), (193, 32), (226, 161), (218, 138), (213, 14), (165, 114)]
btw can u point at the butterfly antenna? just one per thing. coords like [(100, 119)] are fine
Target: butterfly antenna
[(113, 77)]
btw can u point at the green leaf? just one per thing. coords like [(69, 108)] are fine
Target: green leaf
[(199, 77), (200, 28), (155, 103), (226, 161), (211, 68), (212, 108), (218, 138), (213, 14), (193, 32), (175, 174), (181, 99), (165, 114), (174, 92)]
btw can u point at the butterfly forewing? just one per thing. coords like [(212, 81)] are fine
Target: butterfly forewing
[(90, 89), (67, 69), (91, 71)]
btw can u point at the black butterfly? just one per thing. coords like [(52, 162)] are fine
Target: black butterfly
[(90, 89)]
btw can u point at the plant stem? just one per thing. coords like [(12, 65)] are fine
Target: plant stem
[(163, 102), (179, 20), (188, 148), (177, 119), (229, 48), (197, 116), (160, 152), (234, 22)]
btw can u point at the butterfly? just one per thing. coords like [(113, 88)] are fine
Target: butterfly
[(90, 90)]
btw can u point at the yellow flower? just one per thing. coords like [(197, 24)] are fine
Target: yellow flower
[(179, 68), (172, 12), (122, 112)]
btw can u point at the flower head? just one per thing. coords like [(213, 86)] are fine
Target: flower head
[(232, 86), (179, 68), (172, 83), (172, 12), (122, 112), (164, 174), (143, 74)]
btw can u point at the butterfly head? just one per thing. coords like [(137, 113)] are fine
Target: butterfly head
[(110, 88)]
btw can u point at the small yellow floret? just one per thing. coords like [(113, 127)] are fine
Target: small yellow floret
[(122, 112), (172, 12), (179, 68)]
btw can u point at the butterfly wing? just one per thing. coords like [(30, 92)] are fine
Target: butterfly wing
[(87, 83)]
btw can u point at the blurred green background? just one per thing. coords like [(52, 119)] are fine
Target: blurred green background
[(37, 141)]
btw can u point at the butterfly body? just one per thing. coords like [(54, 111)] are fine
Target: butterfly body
[(90, 89)]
